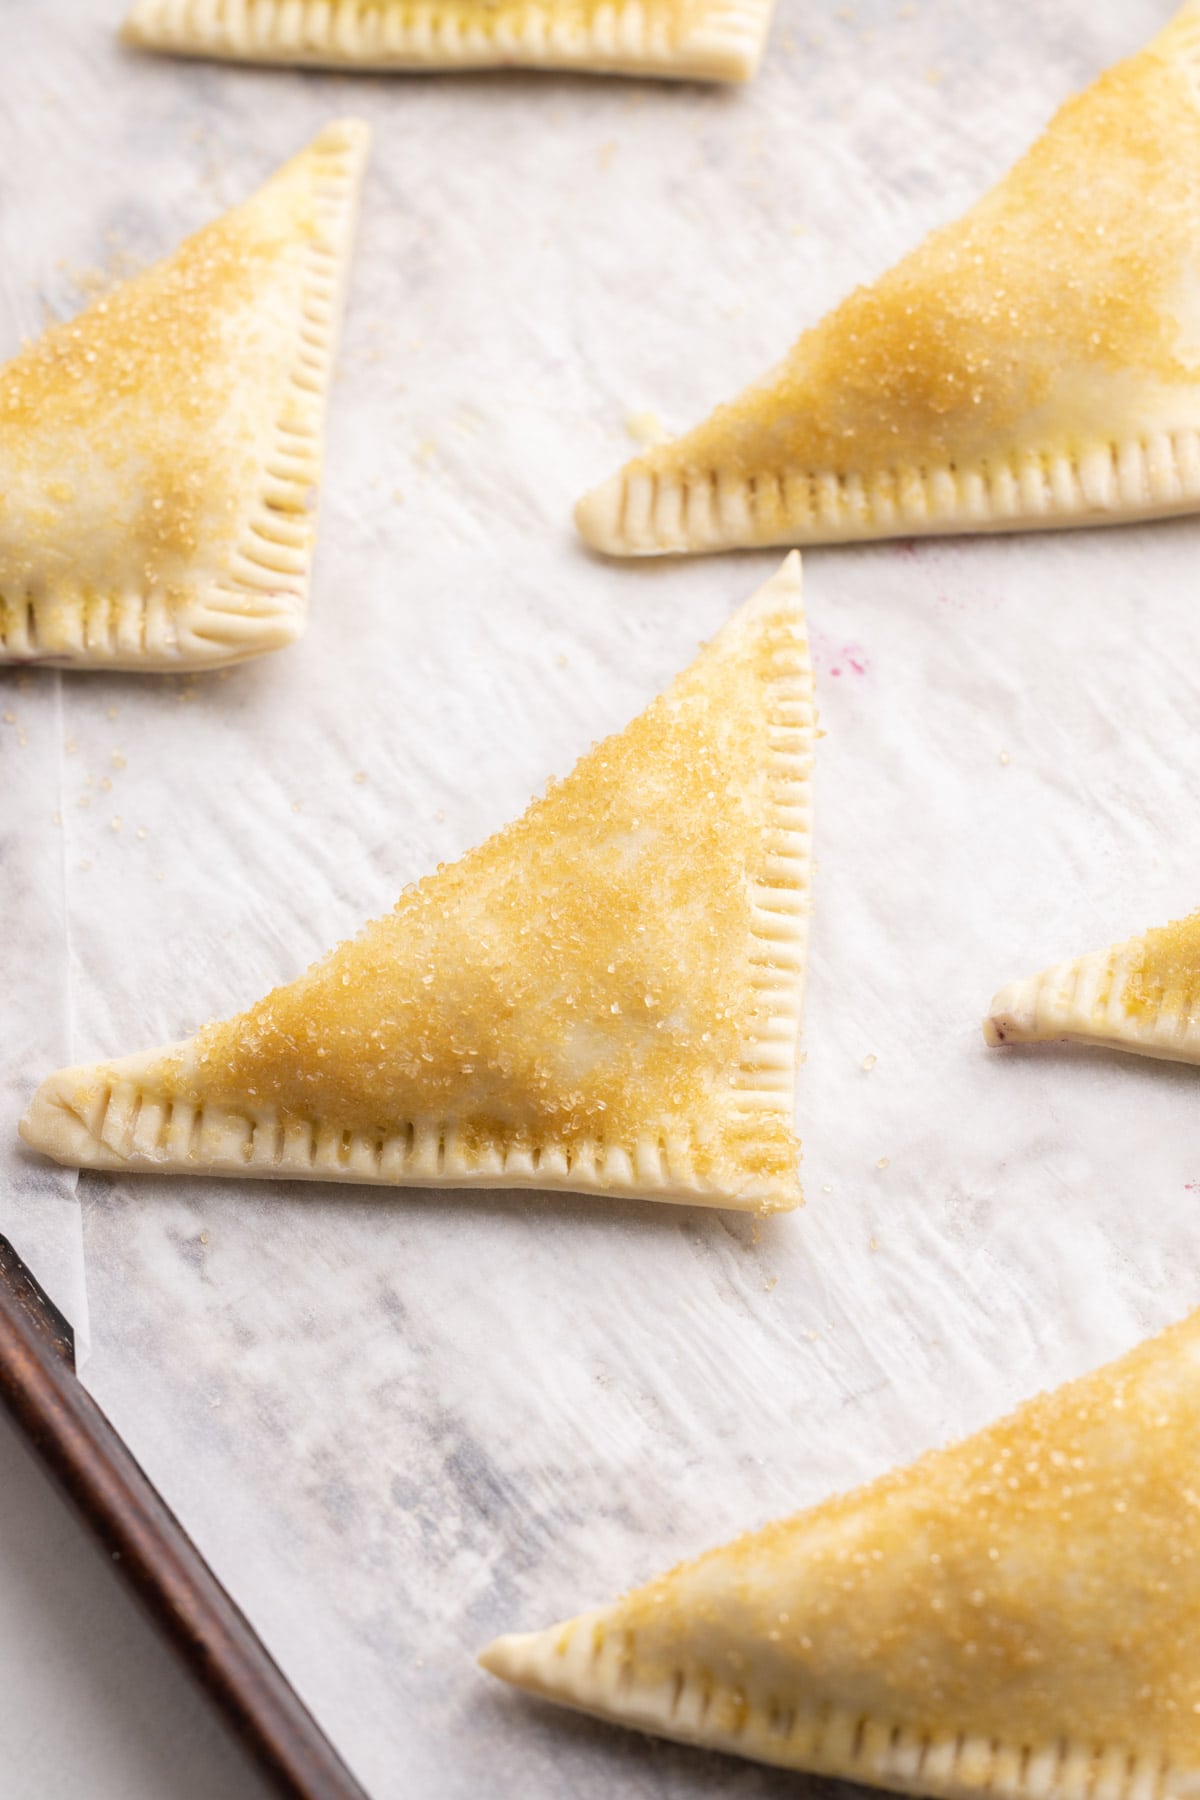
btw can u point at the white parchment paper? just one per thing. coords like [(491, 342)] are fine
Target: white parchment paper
[(397, 1425)]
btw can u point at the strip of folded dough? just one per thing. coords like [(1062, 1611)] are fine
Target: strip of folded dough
[(604, 996), (1036, 363), (1014, 1616), (1143, 995), (160, 453), (696, 40)]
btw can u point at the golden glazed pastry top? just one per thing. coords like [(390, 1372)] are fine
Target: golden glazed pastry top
[(1040, 1579), (1166, 970), (584, 970), (143, 360), (1067, 294)]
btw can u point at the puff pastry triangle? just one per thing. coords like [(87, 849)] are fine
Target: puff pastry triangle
[(1036, 363), (1014, 1616), (701, 40), (1143, 995), (160, 453), (606, 995)]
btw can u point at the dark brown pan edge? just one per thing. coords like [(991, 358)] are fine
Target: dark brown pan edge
[(91, 1465)]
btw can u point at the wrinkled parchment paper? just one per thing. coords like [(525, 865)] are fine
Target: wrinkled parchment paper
[(397, 1425)]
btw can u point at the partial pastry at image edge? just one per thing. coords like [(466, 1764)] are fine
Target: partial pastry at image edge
[(189, 543), (1013, 1615)]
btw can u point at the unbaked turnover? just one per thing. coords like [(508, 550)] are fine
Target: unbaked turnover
[(1143, 995), (1013, 1617), (605, 996), (160, 453), (695, 40), (1035, 364)]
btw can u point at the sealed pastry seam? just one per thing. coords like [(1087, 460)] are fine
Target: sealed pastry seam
[(590, 1665), (648, 512), (684, 1128), (704, 40), (250, 596), (123, 1121), (273, 557), (1032, 364)]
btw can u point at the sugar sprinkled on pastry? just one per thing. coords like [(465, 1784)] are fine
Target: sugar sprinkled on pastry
[(1034, 364), (1143, 995), (701, 40), (604, 996), (1014, 1616), (160, 453)]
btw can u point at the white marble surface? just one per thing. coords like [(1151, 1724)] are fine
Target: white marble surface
[(95, 1707), (399, 1423)]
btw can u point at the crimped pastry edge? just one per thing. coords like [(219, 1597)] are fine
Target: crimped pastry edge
[(641, 512), (623, 37), (115, 1117), (590, 1664)]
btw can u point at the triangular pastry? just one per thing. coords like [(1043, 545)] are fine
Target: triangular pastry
[(1014, 1616), (1036, 363), (160, 453), (604, 996), (701, 40), (1143, 995)]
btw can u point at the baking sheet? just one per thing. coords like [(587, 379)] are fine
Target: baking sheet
[(397, 1425)]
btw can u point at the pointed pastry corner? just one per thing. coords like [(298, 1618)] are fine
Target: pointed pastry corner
[(511, 1656), (350, 134), (787, 1197), (60, 1121), (1012, 1016), (787, 583), (780, 597), (727, 44), (349, 141), (598, 517), (779, 1193), (224, 627), (639, 513), (1080, 1000), (112, 1115), (565, 1663)]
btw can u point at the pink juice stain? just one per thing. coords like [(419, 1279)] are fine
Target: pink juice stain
[(847, 659)]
